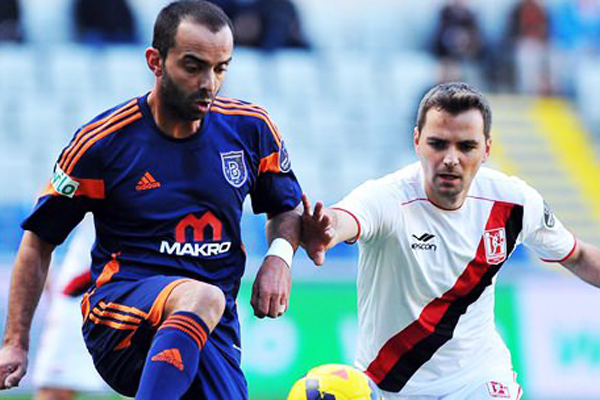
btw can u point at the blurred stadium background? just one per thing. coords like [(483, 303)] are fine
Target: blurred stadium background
[(346, 109)]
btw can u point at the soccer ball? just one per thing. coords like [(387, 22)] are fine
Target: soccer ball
[(334, 382)]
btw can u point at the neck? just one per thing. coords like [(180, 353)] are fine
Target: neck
[(169, 123), (446, 202)]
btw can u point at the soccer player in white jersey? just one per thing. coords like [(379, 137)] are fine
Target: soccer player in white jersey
[(63, 366), (432, 237)]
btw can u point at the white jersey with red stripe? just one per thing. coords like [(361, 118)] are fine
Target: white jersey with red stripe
[(426, 277)]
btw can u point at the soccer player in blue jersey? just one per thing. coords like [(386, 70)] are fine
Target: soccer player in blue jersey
[(165, 176)]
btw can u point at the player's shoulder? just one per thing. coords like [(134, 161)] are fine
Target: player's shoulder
[(495, 185), (402, 185), (115, 117), (92, 136), (236, 109), (249, 119), (232, 107), (108, 124)]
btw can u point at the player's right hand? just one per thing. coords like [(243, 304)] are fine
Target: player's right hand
[(13, 365), (317, 231)]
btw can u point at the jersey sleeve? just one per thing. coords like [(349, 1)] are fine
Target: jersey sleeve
[(75, 188), (368, 204), (543, 232), (276, 190)]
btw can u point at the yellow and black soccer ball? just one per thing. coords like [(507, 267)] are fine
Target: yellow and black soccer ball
[(334, 382)]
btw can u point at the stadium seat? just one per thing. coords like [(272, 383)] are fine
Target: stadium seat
[(72, 72), (125, 72), (19, 69)]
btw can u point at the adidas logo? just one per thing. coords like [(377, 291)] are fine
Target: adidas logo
[(171, 356), (423, 245), (147, 182)]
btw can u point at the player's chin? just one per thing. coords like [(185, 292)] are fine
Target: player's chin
[(194, 114), (449, 190)]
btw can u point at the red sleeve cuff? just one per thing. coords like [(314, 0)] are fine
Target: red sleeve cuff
[(354, 239), (565, 258)]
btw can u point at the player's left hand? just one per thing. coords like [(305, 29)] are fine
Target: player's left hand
[(271, 289), (13, 365)]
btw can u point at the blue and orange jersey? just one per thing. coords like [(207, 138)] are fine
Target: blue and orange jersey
[(163, 205)]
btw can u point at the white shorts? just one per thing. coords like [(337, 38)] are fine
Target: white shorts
[(503, 387), (62, 359)]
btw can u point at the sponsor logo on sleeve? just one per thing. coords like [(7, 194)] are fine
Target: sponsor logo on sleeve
[(63, 184), (285, 165), (234, 167), (549, 219)]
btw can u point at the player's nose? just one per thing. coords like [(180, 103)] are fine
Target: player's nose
[(208, 81), (451, 158)]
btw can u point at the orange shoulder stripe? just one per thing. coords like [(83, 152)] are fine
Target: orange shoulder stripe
[(89, 127), (91, 188), (235, 102), (237, 111), (269, 163), (251, 107), (97, 137)]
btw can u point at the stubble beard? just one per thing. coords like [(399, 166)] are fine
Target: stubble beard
[(177, 101)]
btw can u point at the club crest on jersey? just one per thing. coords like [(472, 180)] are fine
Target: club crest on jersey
[(284, 159), (498, 390), (495, 245), (234, 167)]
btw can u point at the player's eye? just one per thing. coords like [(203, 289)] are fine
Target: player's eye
[(191, 68), (222, 68), (466, 147), (437, 144)]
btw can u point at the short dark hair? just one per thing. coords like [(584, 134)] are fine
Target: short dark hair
[(455, 98), (203, 12)]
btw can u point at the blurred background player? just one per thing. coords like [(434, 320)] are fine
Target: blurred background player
[(165, 176), (64, 366), (432, 238)]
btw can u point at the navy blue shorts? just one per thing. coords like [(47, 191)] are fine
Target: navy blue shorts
[(120, 320)]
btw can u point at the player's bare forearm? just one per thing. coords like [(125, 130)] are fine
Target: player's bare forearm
[(585, 263), (285, 225), (27, 284), (272, 286), (344, 226)]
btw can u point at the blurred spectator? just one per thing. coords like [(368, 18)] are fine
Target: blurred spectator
[(576, 34), (528, 34), (10, 21), (104, 21), (458, 40), (266, 24)]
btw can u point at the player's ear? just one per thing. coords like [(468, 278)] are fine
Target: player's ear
[(416, 136), (154, 61), (488, 149)]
